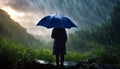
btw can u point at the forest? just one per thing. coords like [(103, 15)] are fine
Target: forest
[(101, 43)]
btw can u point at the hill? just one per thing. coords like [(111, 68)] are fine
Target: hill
[(12, 30), (108, 33)]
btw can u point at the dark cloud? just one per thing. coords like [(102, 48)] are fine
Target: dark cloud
[(25, 5), (86, 13)]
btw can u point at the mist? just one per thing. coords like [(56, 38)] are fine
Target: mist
[(86, 14), (96, 37)]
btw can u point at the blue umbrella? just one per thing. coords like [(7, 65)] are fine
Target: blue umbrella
[(56, 21)]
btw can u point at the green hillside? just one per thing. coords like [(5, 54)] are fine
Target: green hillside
[(108, 33), (11, 29)]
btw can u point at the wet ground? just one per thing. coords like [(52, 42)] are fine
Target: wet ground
[(47, 65), (42, 64)]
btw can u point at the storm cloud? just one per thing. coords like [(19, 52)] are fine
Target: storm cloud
[(85, 13)]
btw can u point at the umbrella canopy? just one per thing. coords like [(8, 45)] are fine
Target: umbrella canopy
[(56, 21)]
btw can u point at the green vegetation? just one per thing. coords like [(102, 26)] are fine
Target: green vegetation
[(12, 30), (11, 52), (106, 34), (101, 43)]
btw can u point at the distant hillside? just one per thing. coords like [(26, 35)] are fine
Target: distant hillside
[(11, 29), (108, 33)]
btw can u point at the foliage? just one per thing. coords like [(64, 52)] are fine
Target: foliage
[(99, 43), (104, 34), (11, 29), (43, 54), (11, 52), (102, 41), (80, 41), (108, 33), (112, 55)]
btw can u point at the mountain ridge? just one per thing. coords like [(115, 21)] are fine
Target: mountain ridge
[(11, 29)]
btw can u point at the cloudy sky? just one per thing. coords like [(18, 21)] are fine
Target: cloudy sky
[(85, 13), (27, 13)]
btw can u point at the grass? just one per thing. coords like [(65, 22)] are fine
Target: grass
[(44, 54), (11, 52)]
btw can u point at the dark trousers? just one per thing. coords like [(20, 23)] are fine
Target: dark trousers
[(59, 58)]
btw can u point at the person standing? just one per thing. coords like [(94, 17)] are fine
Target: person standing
[(59, 47)]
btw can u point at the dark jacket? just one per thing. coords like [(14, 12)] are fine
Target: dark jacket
[(60, 38)]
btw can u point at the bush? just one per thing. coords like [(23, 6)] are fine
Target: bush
[(11, 52)]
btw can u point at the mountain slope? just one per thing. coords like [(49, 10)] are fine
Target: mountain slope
[(11, 29), (108, 33)]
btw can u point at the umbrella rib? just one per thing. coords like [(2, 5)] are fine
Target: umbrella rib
[(51, 17)]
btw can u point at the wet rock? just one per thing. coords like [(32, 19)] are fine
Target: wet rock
[(93, 65), (42, 64)]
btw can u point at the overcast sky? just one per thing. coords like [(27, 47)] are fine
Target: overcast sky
[(85, 13)]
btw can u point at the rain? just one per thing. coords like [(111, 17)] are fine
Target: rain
[(96, 37)]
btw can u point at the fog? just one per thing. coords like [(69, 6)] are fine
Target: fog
[(86, 14)]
